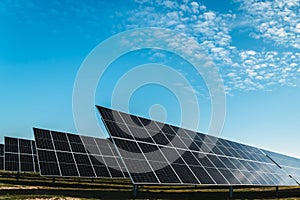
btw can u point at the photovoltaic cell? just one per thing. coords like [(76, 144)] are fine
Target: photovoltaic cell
[(71, 155), (157, 153), (20, 155)]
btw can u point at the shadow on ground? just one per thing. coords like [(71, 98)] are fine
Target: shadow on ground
[(102, 194), (122, 189)]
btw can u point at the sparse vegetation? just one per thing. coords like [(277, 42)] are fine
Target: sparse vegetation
[(33, 186)]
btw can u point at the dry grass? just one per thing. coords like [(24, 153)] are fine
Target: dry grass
[(32, 186)]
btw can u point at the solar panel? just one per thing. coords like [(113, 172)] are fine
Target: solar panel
[(20, 155), (157, 153), (1, 156), (289, 164), (71, 155)]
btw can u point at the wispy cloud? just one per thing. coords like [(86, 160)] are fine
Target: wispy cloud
[(275, 22)]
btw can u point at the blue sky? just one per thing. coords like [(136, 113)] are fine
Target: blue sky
[(255, 45)]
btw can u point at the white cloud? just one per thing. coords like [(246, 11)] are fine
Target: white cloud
[(298, 28), (194, 4), (231, 74), (208, 16), (194, 7), (242, 69), (251, 52), (169, 4), (281, 80), (274, 20)]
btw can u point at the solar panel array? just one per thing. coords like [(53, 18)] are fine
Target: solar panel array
[(20, 155), (1, 156), (289, 164), (149, 152), (156, 153), (70, 155)]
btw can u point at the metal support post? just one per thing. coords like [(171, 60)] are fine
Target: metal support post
[(135, 190), (230, 192), (18, 176)]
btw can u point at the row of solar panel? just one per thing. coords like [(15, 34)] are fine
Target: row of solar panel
[(166, 154), (62, 154), (19, 155), (148, 152), (180, 138), (70, 155), (171, 139)]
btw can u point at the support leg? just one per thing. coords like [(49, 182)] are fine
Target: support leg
[(135, 190), (18, 176), (277, 191), (230, 192), (53, 180)]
